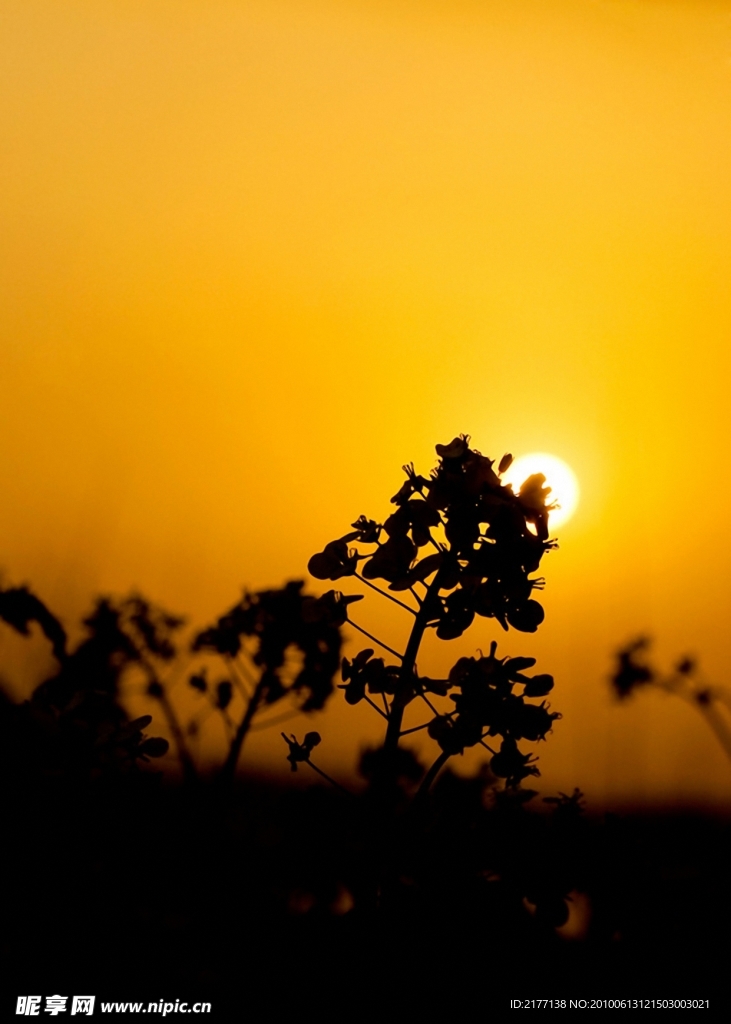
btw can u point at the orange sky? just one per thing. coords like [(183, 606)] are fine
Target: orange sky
[(257, 255)]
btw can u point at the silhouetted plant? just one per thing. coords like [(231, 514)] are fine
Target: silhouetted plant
[(460, 544), (77, 715), (74, 727), (255, 638), (331, 884), (470, 544), (633, 672)]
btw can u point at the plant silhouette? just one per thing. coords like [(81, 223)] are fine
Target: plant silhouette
[(431, 880), (633, 671), (78, 719), (461, 544), (73, 729)]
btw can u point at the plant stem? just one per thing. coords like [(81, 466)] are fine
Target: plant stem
[(432, 774), (383, 593), (717, 724), (286, 716), (239, 679), (416, 728), (327, 777), (229, 768), (409, 660), (431, 706), (376, 640), (706, 708), (375, 707), (186, 761)]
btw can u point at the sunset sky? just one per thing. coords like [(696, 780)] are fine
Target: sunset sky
[(258, 255)]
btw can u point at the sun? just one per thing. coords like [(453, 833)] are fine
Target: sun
[(559, 477)]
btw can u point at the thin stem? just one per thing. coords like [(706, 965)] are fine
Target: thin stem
[(723, 696), (376, 640), (186, 761), (284, 717), (384, 593), (244, 669), (671, 685), (241, 682), (326, 776), (173, 676), (203, 714), (376, 707), (717, 724), (705, 706), (386, 708), (416, 597), (425, 698), (409, 660), (229, 768), (432, 774), (197, 721), (416, 728)]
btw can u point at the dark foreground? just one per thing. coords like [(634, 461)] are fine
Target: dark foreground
[(287, 899)]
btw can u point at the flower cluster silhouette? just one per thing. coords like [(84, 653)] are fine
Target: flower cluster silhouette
[(462, 544), (495, 539)]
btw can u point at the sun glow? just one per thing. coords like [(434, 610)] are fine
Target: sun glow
[(559, 477)]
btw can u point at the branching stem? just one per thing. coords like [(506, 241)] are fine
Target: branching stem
[(384, 593), (425, 698), (416, 728), (376, 707), (376, 640), (229, 768), (409, 660)]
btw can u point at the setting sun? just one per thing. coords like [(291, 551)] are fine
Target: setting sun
[(559, 477)]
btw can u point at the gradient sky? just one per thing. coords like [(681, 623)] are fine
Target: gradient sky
[(257, 255)]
